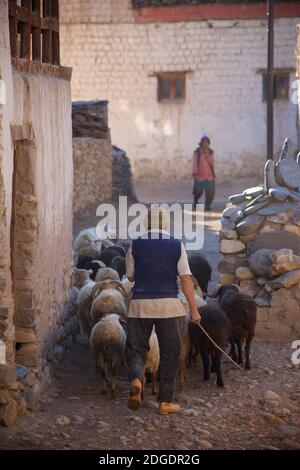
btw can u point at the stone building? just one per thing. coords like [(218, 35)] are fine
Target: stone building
[(36, 184), (102, 172), (173, 70), (92, 156)]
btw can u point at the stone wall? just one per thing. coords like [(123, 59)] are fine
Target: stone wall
[(46, 196), (6, 168), (92, 156), (298, 64), (122, 180), (260, 241), (117, 57), (36, 188), (92, 174)]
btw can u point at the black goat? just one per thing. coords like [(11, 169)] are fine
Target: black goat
[(217, 325), (110, 252), (201, 270), (83, 261), (242, 311), (118, 263)]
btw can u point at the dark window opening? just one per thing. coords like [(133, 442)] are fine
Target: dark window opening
[(281, 86), (171, 86)]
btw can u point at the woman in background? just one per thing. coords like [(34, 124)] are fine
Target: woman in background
[(204, 173)]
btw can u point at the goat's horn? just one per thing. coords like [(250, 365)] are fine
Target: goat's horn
[(237, 286), (215, 291)]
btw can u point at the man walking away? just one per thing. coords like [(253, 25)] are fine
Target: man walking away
[(154, 264)]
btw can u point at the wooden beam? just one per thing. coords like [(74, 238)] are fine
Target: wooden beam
[(36, 44), (21, 132), (50, 23), (25, 40), (36, 21), (55, 9), (13, 28), (55, 48), (27, 4), (47, 46), (29, 66), (47, 8), (36, 7), (39, 35)]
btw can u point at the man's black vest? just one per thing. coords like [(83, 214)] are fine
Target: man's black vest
[(155, 263)]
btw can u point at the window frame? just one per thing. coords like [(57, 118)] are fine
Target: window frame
[(279, 73), (171, 78), (34, 30)]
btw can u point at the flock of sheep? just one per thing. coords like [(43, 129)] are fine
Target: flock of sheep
[(103, 297)]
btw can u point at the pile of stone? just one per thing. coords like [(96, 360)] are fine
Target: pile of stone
[(90, 119), (260, 241), (122, 180)]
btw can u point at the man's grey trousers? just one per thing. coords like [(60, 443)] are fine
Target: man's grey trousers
[(168, 332)]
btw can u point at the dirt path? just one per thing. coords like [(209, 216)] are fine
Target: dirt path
[(233, 418), (74, 414)]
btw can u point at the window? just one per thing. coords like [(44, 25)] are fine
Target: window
[(171, 86), (34, 30), (281, 85)]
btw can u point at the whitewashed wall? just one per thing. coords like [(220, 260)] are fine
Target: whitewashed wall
[(113, 58)]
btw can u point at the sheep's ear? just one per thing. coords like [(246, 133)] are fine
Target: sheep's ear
[(121, 288), (215, 291), (97, 287), (195, 282)]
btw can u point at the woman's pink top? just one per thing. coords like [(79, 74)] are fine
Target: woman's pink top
[(202, 166)]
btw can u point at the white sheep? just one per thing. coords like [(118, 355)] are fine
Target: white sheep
[(86, 238), (128, 286), (107, 273), (109, 297), (107, 343), (91, 251), (152, 363), (82, 280)]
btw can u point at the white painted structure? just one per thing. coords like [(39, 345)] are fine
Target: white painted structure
[(116, 57)]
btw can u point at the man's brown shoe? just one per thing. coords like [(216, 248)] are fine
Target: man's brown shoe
[(166, 407), (135, 394)]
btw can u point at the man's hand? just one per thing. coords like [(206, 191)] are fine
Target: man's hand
[(195, 316), (189, 292)]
